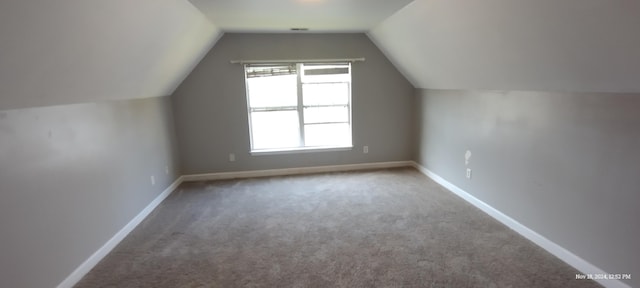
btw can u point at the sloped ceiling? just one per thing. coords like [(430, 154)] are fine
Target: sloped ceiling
[(69, 51), (567, 45)]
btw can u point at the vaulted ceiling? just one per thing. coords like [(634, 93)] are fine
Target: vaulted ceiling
[(552, 45), (70, 51)]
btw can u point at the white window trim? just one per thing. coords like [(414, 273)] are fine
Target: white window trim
[(300, 109), (300, 150)]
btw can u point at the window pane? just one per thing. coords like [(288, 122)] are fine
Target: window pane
[(325, 94), (325, 73), (275, 129), (275, 91), (270, 70), (326, 114), (327, 135)]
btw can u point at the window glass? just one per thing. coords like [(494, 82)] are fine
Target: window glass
[(320, 73), (325, 94), (326, 114), (275, 91), (327, 134), (275, 129), (296, 106)]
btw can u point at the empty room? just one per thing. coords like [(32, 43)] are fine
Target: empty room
[(319, 143)]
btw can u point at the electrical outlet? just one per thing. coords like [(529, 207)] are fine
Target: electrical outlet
[(468, 173), (232, 157), (166, 170), (153, 180), (365, 149)]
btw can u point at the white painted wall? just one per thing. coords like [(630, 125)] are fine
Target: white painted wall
[(70, 51), (541, 45)]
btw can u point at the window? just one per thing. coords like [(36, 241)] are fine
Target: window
[(299, 106)]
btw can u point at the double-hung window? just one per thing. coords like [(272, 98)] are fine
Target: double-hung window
[(299, 106)]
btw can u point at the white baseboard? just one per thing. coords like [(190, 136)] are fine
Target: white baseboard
[(93, 260), (295, 171), (553, 248)]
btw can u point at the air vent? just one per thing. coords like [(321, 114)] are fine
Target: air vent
[(299, 29)]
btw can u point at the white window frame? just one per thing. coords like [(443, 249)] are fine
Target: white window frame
[(301, 148)]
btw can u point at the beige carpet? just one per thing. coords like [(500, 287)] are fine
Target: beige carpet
[(387, 228)]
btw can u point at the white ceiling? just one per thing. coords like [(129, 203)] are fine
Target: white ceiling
[(73, 51), (281, 15), (547, 45)]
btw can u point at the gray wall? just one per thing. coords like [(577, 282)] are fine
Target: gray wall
[(565, 165), (211, 114), (72, 176)]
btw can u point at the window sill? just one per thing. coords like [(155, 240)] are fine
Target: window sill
[(300, 150)]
